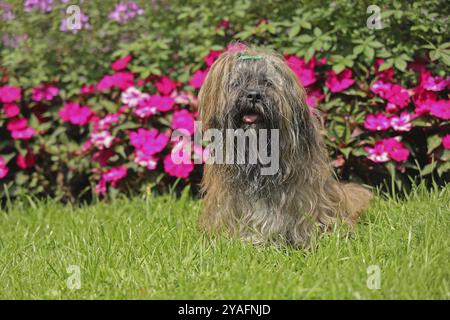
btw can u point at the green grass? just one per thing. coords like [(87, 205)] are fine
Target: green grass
[(152, 249)]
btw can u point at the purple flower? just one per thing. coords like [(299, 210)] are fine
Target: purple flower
[(83, 24), (6, 11), (125, 11), (42, 5)]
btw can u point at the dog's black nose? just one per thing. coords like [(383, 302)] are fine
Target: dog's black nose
[(254, 96)]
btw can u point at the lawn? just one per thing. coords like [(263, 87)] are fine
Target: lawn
[(150, 248)]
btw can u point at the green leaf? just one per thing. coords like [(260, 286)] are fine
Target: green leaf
[(433, 142), (400, 64), (305, 38)]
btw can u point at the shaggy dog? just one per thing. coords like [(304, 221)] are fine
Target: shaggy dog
[(255, 88)]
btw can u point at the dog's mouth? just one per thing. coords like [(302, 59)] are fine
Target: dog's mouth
[(250, 117)]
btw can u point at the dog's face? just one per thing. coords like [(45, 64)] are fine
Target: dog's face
[(256, 89), (253, 99)]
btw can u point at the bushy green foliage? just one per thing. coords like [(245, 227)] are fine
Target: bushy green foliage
[(171, 38)]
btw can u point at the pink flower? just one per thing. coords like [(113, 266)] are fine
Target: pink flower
[(236, 47), (75, 114), (161, 103), (183, 120), (3, 168), (87, 89), (419, 65), (441, 109), (102, 139), (122, 63), (9, 94), (20, 130), (132, 96), (304, 71), (27, 161), (165, 86), (401, 123), (387, 149), (224, 24), (198, 78), (446, 141), (11, 110), (102, 156), (314, 96), (396, 149), (181, 170), (385, 75), (114, 175), (146, 160), (378, 153), (149, 142), (44, 92), (212, 56), (395, 94), (121, 80), (105, 122), (339, 82), (185, 98), (377, 122), (423, 100), (433, 83)]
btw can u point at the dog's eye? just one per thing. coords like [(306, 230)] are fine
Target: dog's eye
[(234, 84), (268, 83)]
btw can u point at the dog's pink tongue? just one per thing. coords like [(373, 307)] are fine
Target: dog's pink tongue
[(249, 118)]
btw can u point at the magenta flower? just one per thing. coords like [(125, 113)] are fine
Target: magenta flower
[(446, 141), (26, 161), (314, 96), (423, 100), (146, 160), (106, 122), (11, 110), (377, 122), (385, 75), (304, 71), (396, 149), (121, 80), (155, 103), (3, 168), (198, 78), (387, 149), (402, 122), (20, 130), (9, 94), (440, 109), (102, 139), (149, 142), (75, 114), (44, 92), (165, 86), (113, 176), (102, 156), (181, 170), (132, 96), (433, 83), (122, 63), (183, 120), (378, 153), (395, 94), (212, 56), (339, 82)]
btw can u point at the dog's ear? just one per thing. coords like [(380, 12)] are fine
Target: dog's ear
[(212, 95), (303, 129)]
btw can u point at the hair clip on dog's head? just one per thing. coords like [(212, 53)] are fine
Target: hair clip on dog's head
[(244, 57)]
